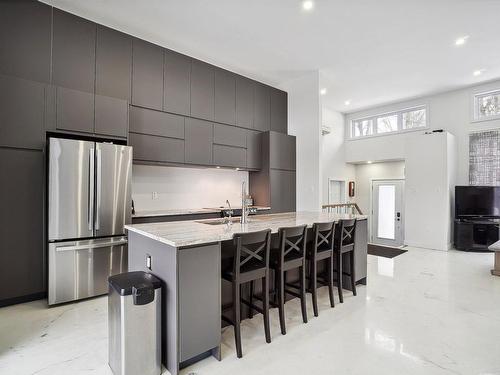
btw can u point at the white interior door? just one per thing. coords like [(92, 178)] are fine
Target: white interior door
[(387, 212)]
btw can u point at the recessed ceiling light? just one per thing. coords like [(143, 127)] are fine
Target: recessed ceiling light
[(323, 91), (347, 102), (308, 4), (461, 41), (477, 72)]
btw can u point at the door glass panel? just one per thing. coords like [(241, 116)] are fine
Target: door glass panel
[(386, 211)]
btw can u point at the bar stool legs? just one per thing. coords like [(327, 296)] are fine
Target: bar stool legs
[(237, 318), (353, 277), (314, 286), (338, 259), (303, 292), (265, 300)]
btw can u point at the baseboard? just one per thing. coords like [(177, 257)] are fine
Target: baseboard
[(22, 299)]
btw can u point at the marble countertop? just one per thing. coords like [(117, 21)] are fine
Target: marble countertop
[(187, 211), (194, 232)]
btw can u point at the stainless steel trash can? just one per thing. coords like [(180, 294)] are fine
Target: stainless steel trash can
[(134, 320)]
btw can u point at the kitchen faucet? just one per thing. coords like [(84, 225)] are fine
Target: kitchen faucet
[(244, 206)]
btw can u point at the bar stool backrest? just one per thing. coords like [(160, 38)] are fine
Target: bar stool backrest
[(252, 251), (292, 242), (323, 236), (347, 233)]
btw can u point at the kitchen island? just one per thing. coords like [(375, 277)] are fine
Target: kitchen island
[(187, 257)]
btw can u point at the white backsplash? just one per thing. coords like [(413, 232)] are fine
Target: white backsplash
[(185, 187)]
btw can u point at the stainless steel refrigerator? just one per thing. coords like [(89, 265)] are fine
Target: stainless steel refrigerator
[(89, 202)]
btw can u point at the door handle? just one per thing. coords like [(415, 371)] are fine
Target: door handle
[(98, 188), (91, 246), (90, 203)]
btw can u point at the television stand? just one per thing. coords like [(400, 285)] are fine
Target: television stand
[(476, 234)]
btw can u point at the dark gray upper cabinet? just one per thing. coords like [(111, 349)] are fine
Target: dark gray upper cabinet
[(75, 110), (229, 156), (73, 52), (113, 63), (282, 151), (198, 141), (202, 90), (177, 83), (21, 113), (262, 107), (244, 102), (230, 135), (22, 254), (25, 37), (254, 149), (148, 121), (150, 148), (111, 116), (225, 97), (279, 111), (147, 75)]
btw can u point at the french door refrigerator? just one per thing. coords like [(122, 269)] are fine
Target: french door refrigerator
[(89, 202)]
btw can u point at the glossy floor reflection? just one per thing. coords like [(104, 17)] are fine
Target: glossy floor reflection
[(423, 312)]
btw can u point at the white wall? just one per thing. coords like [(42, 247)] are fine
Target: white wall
[(430, 178), (304, 121), (451, 111), (185, 187), (333, 163)]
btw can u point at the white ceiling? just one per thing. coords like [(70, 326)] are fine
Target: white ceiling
[(367, 51)]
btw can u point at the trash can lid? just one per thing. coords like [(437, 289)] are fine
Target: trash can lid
[(124, 282)]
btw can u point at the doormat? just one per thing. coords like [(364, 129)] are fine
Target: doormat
[(385, 251)]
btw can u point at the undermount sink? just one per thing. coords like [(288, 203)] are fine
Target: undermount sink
[(218, 221)]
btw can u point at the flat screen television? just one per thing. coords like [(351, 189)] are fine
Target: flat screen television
[(477, 201)]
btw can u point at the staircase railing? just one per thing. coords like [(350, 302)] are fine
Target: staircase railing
[(343, 208)]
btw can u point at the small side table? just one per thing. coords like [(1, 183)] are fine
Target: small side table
[(496, 248)]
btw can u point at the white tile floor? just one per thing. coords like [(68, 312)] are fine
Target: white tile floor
[(423, 312)]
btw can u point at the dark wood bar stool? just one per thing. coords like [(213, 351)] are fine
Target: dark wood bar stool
[(251, 262), (344, 244), (290, 254), (319, 249)]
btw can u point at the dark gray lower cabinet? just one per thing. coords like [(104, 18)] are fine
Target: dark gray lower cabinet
[(199, 296), (150, 148), (198, 141), (75, 110), (21, 113), (229, 156), (282, 184), (254, 149), (111, 116), (21, 228)]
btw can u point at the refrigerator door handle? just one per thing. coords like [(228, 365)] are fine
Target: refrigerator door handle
[(90, 207), (98, 187), (92, 246)]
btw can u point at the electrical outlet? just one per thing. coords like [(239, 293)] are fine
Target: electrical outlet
[(154, 195)]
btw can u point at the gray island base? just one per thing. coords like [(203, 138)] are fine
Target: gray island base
[(187, 257)]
